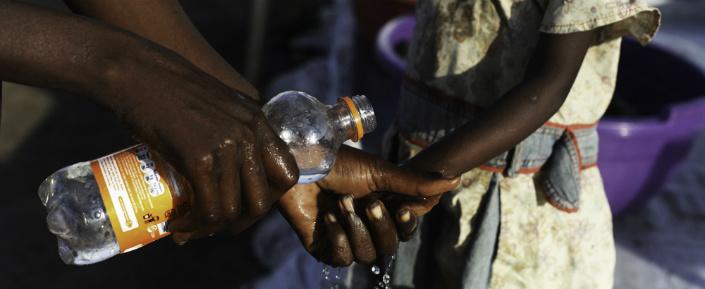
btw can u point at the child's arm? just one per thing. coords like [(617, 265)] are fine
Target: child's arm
[(548, 80)]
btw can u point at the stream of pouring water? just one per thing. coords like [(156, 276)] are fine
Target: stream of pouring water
[(382, 276)]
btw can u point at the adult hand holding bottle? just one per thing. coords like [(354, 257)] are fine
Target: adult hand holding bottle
[(218, 140), (165, 90)]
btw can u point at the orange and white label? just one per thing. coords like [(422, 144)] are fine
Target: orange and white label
[(140, 195)]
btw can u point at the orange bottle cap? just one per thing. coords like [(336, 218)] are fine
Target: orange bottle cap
[(359, 128)]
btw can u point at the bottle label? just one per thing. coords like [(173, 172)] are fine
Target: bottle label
[(140, 195)]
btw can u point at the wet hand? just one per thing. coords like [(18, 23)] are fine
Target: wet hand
[(337, 230), (214, 136)]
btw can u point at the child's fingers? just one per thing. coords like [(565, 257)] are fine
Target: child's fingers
[(406, 223), (421, 207), (413, 183), (430, 186)]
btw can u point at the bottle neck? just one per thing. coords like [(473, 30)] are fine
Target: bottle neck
[(344, 120)]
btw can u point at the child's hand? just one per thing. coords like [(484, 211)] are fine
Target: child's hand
[(358, 173)]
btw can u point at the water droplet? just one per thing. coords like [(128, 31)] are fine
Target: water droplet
[(329, 282), (325, 272), (375, 270)]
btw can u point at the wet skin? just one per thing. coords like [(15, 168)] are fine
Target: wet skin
[(549, 78), (263, 167), (180, 97), (171, 88), (338, 236), (360, 224), (212, 133)]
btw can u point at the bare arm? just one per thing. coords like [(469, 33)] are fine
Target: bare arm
[(166, 23), (55, 50), (549, 78), (213, 135)]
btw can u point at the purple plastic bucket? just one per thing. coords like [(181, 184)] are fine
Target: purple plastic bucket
[(639, 152), (396, 32)]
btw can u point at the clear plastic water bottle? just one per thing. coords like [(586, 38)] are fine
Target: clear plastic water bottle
[(120, 202), (77, 216), (314, 131)]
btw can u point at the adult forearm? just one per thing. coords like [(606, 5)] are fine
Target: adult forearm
[(62, 51), (549, 78), (55, 50), (165, 22)]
